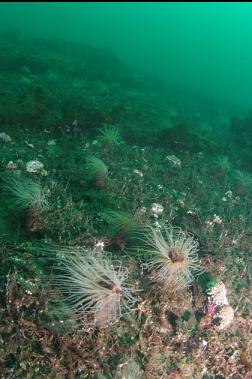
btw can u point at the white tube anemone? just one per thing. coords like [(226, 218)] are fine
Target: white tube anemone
[(172, 257), (97, 289)]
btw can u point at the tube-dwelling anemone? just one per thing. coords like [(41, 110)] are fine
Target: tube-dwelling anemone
[(172, 257), (23, 193), (110, 135), (96, 171), (26, 196), (97, 288), (121, 224)]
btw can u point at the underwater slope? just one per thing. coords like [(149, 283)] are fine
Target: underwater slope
[(111, 190)]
